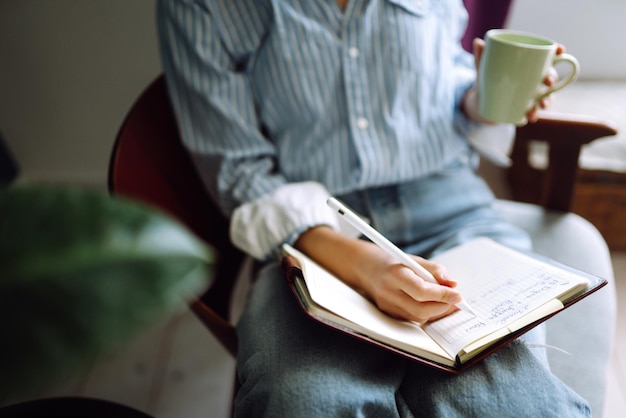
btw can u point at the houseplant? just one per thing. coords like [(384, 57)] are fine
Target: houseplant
[(81, 273)]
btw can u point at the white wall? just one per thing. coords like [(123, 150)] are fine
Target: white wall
[(70, 69), (592, 30)]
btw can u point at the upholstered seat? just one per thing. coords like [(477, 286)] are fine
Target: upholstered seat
[(150, 164), (580, 338)]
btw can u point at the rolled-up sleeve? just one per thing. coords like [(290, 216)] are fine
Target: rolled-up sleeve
[(259, 227)]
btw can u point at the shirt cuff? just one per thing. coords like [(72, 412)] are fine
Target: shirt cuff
[(259, 227), (493, 142)]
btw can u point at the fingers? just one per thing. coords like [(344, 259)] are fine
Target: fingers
[(422, 291), (398, 291), (438, 271), (549, 80), (546, 102), (470, 100), (478, 46), (415, 299), (405, 307)]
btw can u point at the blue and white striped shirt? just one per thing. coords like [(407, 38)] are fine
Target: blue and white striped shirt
[(274, 92)]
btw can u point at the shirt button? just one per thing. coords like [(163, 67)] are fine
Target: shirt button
[(353, 52), (362, 123)]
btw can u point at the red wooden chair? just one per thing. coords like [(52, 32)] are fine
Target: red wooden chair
[(149, 164)]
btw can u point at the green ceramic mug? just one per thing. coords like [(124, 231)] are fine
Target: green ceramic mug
[(511, 73)]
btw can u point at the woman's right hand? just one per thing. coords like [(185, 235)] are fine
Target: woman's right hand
[(393, 287)]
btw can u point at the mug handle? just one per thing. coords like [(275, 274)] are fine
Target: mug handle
[(570, 77)]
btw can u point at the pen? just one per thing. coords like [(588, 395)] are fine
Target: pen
[(387, 245)]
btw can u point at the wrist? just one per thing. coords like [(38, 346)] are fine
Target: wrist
[(350, 259)]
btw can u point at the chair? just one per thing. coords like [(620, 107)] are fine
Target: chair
[(149, 164), (8, 166)]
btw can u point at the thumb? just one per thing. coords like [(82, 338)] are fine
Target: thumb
[(478, 45)]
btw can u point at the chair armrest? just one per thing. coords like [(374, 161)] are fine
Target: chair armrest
[(565, 134), (223, 330)]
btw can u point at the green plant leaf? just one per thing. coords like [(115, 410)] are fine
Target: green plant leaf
[(80, 274)]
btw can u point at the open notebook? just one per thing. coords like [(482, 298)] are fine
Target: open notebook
[(511, 292)]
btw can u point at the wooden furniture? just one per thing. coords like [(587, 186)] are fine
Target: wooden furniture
[(596, 195), (600, 197), (149, 164), (562, 185), (553, 187), (8, 166)]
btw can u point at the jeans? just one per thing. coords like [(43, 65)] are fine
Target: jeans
[(292, 366)]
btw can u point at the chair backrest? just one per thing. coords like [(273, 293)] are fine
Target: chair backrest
[(484, 15), (150, 164), (8, 166)]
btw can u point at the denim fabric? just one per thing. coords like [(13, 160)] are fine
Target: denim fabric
[(291, 366)]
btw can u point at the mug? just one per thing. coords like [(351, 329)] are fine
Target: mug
[(511, 72)]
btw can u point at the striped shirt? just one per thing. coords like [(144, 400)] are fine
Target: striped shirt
[(275, 92)]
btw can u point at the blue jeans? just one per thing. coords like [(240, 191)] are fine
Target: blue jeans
[(291, 366)]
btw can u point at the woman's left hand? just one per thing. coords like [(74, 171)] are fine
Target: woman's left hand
[(470, 100)]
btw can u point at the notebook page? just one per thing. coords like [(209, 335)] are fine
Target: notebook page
[(339, 298), (501, 285)]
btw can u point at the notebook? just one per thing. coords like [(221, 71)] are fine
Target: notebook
[(511, 292)]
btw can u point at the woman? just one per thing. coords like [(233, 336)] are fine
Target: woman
[(284, 103)]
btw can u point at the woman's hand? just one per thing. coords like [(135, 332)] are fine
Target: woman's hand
[(401, 293), (393, 287), (469, 104)]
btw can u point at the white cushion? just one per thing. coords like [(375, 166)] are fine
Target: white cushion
[(586, 330)]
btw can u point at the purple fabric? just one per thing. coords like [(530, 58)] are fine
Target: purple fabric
[(484, 15)]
